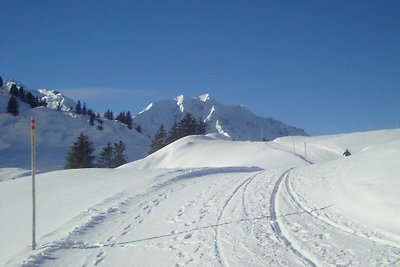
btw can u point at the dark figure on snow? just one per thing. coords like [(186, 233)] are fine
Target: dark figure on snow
[(346, 153)]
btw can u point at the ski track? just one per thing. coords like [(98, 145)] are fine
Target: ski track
[(328, 242), (340, 227), (195, 217), (275, 224), (218, 247)]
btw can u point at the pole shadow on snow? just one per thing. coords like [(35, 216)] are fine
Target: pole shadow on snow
[(302, 212), (185, 232)]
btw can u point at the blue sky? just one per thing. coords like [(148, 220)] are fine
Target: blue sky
[(325, 66)]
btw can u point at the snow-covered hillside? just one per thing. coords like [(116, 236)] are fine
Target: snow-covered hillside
[(55, 133), (208, 201), (58, 126), (234, 121)]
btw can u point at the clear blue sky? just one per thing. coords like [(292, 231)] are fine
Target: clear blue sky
[(325, 66)]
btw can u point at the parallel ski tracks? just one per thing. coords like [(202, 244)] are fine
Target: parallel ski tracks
[(342, 228), (275, 224), (217, 245)]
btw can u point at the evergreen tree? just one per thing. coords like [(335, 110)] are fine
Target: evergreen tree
[(78, 107), (12, 106), (80, 154), (30, 100), (84, 109), (187, 126), (22, 95), (106, 157), (1, 82), (201, 127), (90, 112), (128, 120), (121, 117), (173, 134), (91, 119), (109, 115), (14, 90), (159, 141), (119, 156)]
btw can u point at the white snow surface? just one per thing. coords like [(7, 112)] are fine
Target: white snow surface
[(208, 201), (236, 122)]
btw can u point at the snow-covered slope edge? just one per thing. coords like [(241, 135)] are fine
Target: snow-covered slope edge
[(234, 121)]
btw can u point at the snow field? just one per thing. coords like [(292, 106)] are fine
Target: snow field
[(206, 201)]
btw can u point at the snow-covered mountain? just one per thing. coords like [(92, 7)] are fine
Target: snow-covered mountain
[(53, 98), (56, 130), (58, 126), (56, 100), (236, 122)]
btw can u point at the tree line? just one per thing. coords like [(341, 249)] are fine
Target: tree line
[(81, 155), (188, 125), (21, 94), (18, 92)]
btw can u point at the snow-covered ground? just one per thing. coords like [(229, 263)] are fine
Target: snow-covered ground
[(208, 201)]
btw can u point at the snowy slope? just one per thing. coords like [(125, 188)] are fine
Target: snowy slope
[(257, 204), (234, 121), (55, 133), (214, 150), (57, 130), (53, 98)]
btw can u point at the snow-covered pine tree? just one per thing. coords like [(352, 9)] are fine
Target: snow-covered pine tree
[(80, 154), (159, 140), (12, 106)]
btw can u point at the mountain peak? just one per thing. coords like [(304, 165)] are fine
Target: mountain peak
[(204, 97), (234, 121)]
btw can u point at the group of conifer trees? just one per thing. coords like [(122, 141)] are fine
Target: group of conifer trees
[(81, 154), (125, 118), (188, 125), (22, 95)]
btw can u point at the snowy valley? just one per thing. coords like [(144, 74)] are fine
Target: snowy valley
[(58, 126), (204, 200), (208, 201)]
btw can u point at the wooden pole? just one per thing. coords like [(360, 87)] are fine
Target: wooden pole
[(305, 153), (33, 183), (294, 149)]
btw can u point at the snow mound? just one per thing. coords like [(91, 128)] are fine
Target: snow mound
[(216, 151)]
